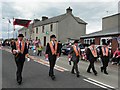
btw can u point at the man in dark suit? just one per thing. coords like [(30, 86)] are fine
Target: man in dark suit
[(105, 54), (52, 52), (92, 56), (74, 54), (20, 51)]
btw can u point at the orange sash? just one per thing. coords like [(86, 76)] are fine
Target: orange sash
[(77, 52), (94, 52), (103, 51), (18, 46), (54, 51)]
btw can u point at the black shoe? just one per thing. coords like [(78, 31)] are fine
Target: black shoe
[(95, 73), (49, 74), (69, 62), (88, 71), (72, 72), (53, 77), (78, 75), (101, 69), (106, 73), (19, 82)]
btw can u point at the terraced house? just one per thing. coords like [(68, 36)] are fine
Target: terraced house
[(64, 26)]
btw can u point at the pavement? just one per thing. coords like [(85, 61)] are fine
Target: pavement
[(35, 74)]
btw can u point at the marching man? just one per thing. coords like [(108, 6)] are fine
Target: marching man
[(52, 53), (20, 51), (92, 56), (104, 52), (74, 55)]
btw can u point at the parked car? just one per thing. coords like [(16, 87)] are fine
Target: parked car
[(66, 49)]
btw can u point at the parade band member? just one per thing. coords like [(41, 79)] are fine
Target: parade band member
[(52, 52), (20, 51), (74, 54), (92, 56), (104, 52)]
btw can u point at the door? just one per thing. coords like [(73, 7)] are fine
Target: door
[(44, 40)]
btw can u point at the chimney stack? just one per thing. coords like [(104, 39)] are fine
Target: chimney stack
[(69, 10), (44, 18), (36, 20)]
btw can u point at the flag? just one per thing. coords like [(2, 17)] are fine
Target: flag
[(21, 22)]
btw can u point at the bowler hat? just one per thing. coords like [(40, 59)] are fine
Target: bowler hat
[(76, 41), (91, 43), (52, 36), (20, 35), (104, 42)]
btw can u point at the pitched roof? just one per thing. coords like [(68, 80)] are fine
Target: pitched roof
[(57, 19)]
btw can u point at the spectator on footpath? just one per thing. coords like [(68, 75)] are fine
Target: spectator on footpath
[(34, 49), (28, 44), (39, 49), (116, 57)]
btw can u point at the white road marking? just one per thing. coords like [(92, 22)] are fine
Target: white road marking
[(94, 83), (56, 67), (102, 83)]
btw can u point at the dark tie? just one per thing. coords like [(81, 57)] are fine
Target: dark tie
[(77, 48), (105, 50), (54, 45), (20, 46)]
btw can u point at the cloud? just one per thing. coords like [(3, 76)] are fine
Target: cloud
[(91, 11)]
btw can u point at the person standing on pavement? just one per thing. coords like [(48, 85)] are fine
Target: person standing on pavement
[(28, 44), (116, 56), (104, 53), (52, 53), (92, 56), (39, 49), (74, 54), (20, 51)]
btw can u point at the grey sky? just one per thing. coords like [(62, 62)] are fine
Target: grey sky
[(90, 11)]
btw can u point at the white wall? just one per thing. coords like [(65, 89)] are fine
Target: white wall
[(70, 28)]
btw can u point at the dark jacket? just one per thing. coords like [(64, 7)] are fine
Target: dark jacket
[(48, 50), (90, 55), (101, 53), (20, 56), (73, 54)]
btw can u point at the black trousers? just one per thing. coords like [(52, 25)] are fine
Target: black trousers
[(19, 63), (75, 65), (52, 61), (91, 66), (39, 52), (105, 61)]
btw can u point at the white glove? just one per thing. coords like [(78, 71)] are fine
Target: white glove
[(58, 58)]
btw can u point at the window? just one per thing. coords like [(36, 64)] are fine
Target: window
[(37, 30), (43, 29), (51, 27)]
